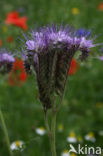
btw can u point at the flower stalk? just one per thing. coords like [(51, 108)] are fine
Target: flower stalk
[(51, 131), (50, 51), (53, 142), (5, 132)]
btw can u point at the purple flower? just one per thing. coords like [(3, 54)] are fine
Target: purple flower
[(86, 43), (50, 51), (83, 32), (6, 61), (60, 38), (101, 58), (7, 58), (38, 42), (30, 45), (48, 38), (56, 35)]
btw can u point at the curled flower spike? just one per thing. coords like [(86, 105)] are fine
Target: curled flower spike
[(6, 61), (50, 50), (30, 60)]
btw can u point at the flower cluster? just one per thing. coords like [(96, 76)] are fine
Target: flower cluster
[(6, 61), (64, 38), (49, 50)]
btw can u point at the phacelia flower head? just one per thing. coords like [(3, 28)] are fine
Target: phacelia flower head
[(6, 61), (57, 37), (49, 50), (37, 43), (48, 38)]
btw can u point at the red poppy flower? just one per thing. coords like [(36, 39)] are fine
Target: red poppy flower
[(13, 18), (100, 6), (10, 39), (73, 68), (21, 22), (0, 42), (18, 74)]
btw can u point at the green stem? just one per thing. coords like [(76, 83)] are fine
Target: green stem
[(5, 132), (51, 132), (61, 102), (46, 123), (53, 125), (47, 127)]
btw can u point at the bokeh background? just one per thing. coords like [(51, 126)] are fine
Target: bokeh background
[(82, 110)]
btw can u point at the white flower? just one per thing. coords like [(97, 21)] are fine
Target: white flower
[(90, 137), (65, 153), (40, 130), (17, 145), (72, 138), (100, 133)]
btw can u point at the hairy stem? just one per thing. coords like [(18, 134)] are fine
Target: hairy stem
[(53, 125), (51, 131), (5, 132), (46, 123)]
